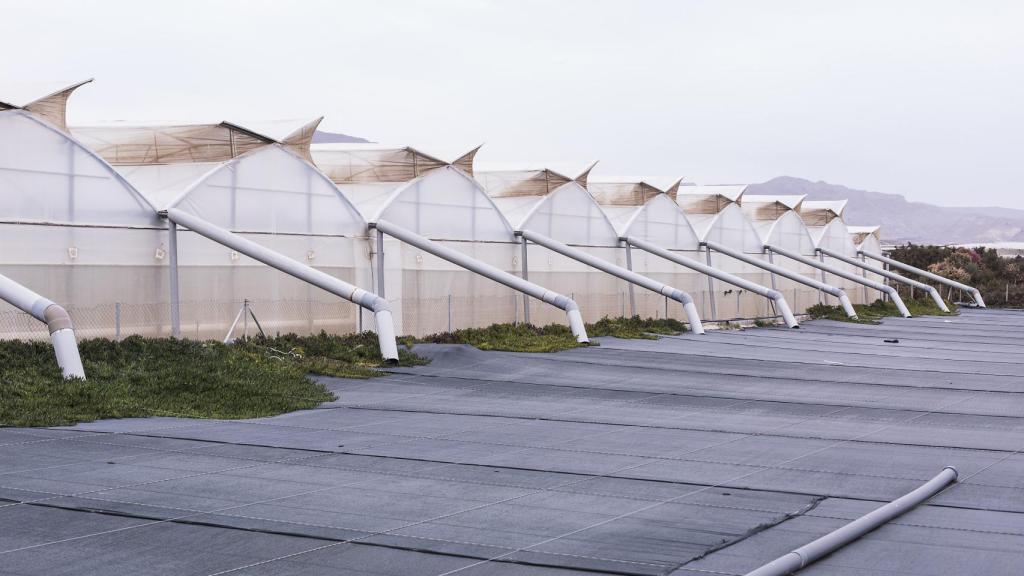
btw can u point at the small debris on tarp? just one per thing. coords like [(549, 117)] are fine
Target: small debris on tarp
[(891, 340)]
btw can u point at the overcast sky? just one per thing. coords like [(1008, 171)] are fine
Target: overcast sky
[(921, 98)]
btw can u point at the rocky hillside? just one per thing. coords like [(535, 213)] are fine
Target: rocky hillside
[(904, 221)]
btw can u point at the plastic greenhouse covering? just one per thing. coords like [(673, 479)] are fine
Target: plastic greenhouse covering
[(661, 221), (708, 199), (442, 203), (569, 215), (80, 217)]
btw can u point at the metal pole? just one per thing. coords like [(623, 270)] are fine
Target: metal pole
[(632, 295), (117, 321), (498, 275), (780, 301), (449, 313), (172, 248), (975, 294), (379, 306), (380, 264), (692, 314), (785, 273), (845, 274), (711, 289), (526, 276)]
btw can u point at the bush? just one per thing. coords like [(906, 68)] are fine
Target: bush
[(169, 377)]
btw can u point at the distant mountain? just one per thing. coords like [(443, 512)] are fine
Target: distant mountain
[(904, 221), (320, 137)]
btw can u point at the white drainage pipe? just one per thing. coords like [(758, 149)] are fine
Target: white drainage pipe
[(893, 294), (844, 300), (974, 292), (891, 275), (572, 311), (835, 540), (57, 320), (774, 295), (356, 295), (625, 274)]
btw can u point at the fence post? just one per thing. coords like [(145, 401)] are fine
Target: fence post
[(449, 313), (172, 248), (526, 276), (117, 321), (245, 318)]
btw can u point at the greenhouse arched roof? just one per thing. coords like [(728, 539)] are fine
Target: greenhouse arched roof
[(567, 213), (421, 193), (729, 227), (267, 190), (48, 176), (659, 220)]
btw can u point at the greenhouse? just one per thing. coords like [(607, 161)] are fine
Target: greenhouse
[(569, 243), (716, 215), (427, 208), (778, 224), (260, 187), (655, 217), (75, 232)]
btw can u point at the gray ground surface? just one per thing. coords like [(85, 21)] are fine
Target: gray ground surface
[(690, 455)]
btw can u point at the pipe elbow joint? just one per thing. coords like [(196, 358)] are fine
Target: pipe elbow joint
[(773, 294), (57, 318), (679, 296), (567, 304)]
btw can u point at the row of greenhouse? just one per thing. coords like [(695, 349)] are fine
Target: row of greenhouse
[(188, 221)]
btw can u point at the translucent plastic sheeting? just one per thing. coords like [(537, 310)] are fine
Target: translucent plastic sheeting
[(125, 144), (47, 176), (731, 227), (446, 204), (517, 183), (836, 236), (659, 220), (708, 199), (788, 231), (356, 162), (48, 100), (568, 214), (820, 212), (769, 207), (866, 238), (626, 193), (272, 190)]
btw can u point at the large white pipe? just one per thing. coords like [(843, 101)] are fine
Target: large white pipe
[(786, 273), (891, 275), (572, 311), (354, 294), (835, 540), (774, 295), (974, 292), (893, 294), (57, 320), (625, 274)]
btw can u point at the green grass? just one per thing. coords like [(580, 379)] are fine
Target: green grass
[(553, 337), (872, 313), (168, 377)]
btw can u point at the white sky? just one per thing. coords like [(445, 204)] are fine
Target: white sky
[(921, 98)]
